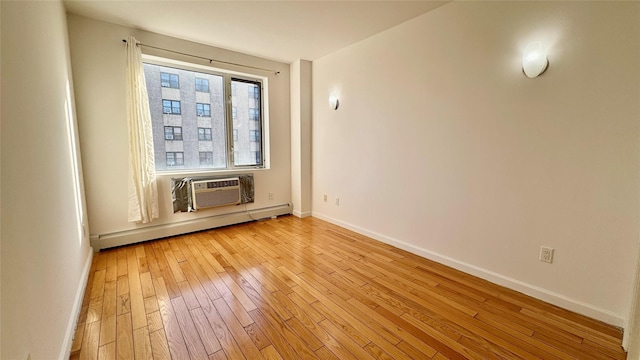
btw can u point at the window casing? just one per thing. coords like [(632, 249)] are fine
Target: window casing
[(221, 120)]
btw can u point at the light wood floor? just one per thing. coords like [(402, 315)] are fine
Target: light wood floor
[(304, 289)]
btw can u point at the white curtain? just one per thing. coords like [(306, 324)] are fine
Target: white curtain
[(143, 189)]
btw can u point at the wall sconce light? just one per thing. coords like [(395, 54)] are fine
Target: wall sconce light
[(334, 102), (534, 59)]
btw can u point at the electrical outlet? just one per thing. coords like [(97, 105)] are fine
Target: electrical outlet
[(270, 196), (337, 201), (325, 197), (546, 254)]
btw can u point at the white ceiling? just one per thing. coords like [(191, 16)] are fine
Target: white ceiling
[(278, 30)]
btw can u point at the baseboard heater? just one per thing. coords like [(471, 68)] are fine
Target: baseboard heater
[(131, 236), (214, 193)]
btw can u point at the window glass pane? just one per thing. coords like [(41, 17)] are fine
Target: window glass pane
[(201, 92), (247, 122), (202, 85)]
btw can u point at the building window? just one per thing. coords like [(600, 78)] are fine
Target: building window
[(254, 92), (202, 85), (254, 114), (255, 155), (228, 130), (175, 158), (204, 134), (169, 80), (206, 158), (173, 133), (171, 107), (203, 110), (254, 135)]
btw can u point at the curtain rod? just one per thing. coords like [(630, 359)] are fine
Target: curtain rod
[(205, 58)]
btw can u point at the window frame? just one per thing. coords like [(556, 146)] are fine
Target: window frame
[(204, 136), (170, 82), (228, 77), (172, 107), (175, 158), (173, 133), (199, 88), (206, 110)]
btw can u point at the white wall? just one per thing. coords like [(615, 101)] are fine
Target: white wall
[(301, 137), (442, 146), (98, 59), (44, 254)]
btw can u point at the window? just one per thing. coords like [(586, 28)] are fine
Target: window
[(169, 80), (173, 133), (203, 110), (254, 115), (254, 135), (256, 155), (202, 85), (206, 158), (171, 107), (175, 158), (254, 92), (224, 131), (204, 134)]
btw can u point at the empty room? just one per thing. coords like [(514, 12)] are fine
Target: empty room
[(319, 180)]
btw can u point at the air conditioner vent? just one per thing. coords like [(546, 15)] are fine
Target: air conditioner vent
[(218, 192)]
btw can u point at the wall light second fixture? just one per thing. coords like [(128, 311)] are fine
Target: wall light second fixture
[(534, 59), (334, 102)]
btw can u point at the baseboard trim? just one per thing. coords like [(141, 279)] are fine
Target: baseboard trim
[(301, 214), (65, 352), (104, 241), (537, 292)]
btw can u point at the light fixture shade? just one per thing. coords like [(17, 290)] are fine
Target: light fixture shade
[(534, 59), (334, 102)]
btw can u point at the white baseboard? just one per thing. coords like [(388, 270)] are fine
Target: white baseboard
[(301, 214), (537, 292), (104, 241), (65, 352)]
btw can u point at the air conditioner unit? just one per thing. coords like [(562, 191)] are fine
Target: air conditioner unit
[(218, 192), (200, 113)]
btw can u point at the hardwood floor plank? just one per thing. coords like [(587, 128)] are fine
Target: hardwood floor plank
[(142, 344), (270, 353), (175, 341), (208, 336), (124, 338), (138, 313), (290, 288), (237, 330), (189, 332), (159, 345), (107, 351), (108, 324), (90, 342)]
